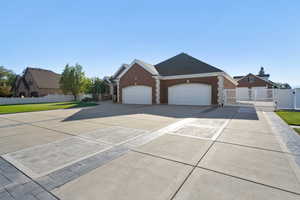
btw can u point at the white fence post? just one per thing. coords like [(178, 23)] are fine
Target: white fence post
[(297, 98), (225, 97), (255, 96), (277, 98)]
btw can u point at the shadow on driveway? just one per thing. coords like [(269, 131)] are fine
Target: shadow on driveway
[(108, 109)]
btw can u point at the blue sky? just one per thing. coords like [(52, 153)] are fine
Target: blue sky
[(236, 36)]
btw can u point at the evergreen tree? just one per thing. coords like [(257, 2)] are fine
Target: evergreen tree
[(261, 72)]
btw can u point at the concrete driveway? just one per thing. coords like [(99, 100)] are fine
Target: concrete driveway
[(145, 152)]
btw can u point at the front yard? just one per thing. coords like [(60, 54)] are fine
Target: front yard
[(297, 130), (7, 109), (291, 118)]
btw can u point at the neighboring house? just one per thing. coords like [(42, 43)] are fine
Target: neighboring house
[(36, 82), (283, 86), (255, 81), (180, 80), (257, 87)]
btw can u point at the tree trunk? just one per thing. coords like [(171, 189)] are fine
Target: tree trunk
[(75, 97)]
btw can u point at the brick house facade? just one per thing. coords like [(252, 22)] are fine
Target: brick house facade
[(143, 74), (137, 75), (251, 80)]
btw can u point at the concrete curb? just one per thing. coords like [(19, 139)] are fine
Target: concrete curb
[(288, 139)]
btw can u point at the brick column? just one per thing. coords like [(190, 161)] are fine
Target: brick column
[(118, 91), (220, 90), (157, 90)]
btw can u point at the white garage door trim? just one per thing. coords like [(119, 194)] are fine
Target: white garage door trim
[(138, 94), (190, 94)]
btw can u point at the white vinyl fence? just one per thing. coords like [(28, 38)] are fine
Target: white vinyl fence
[(254, 94), (45, 99), (297, 98), (285, 99), (288, 99), (277, 98)]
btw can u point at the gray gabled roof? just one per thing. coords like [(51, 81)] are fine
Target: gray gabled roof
[(183, 64), (150, 68)]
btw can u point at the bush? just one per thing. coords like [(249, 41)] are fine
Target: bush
[(87, 99), (5, 91)]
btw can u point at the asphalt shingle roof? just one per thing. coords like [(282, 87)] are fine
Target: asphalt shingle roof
[(184, 64), (45, 78)]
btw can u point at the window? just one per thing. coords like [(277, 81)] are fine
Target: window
[(251, 79)]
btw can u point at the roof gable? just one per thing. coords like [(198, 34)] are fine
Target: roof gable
[(180, 66), (44, 78), (184, 64), (148, 67), (22, 81), (258, 77)]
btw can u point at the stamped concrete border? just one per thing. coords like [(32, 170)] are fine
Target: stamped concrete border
[(288, 140)]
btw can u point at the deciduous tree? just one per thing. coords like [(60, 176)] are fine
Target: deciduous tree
[(7, 81), (73, 80), (96, 87)]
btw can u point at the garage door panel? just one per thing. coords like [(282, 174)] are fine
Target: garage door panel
[(190, 94), (137, 95)]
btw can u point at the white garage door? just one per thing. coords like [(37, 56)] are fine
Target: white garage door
[(137, 95), (190, 94)]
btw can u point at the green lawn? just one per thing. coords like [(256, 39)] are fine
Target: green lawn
[(290, 117), (6, 109), (297, 130)]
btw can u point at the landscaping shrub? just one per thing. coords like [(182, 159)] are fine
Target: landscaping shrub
[(87, 99)]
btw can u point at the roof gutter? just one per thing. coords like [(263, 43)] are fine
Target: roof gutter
[(198, 76)]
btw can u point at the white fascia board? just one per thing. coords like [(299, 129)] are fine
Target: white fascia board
[(190, 76), (199, 76), (106, 78), (123, 65), (148, 67), (230, 79)]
